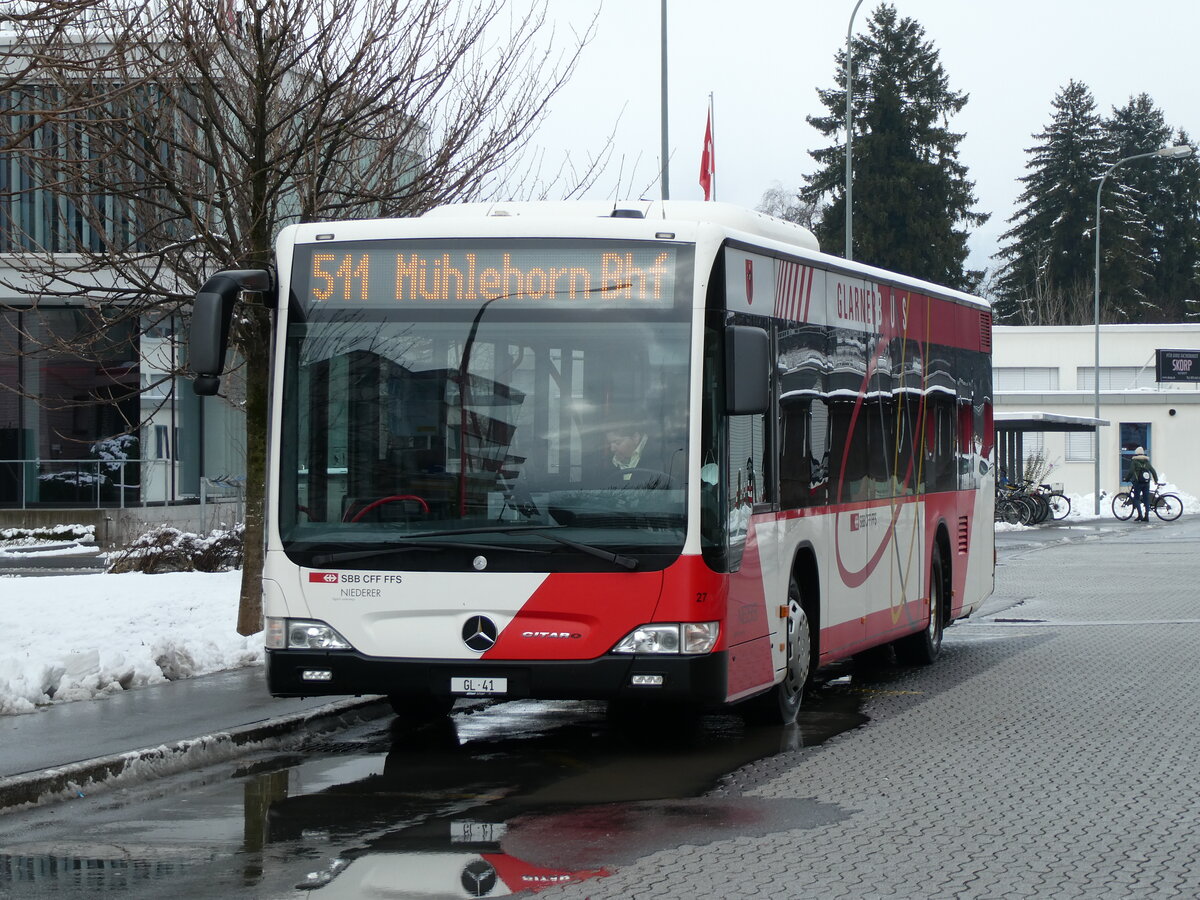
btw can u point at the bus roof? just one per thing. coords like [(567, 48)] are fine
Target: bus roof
[(728, 215), (731, 217)]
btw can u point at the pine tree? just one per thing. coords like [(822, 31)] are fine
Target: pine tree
[(1132, 203), (912, 200), (1177, 253), (1047, 274)]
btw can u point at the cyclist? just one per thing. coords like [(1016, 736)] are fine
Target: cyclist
[(1140, 473)]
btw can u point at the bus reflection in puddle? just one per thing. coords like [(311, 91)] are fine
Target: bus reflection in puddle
[(468, 808), (432, 874)]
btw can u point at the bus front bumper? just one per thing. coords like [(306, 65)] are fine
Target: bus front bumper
[(304, 673)]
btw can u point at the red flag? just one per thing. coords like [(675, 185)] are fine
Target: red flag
[(708, 168)]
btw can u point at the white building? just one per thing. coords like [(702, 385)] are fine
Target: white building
[(1052, 369)]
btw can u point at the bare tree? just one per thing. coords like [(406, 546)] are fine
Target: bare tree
[(1046, 304), (207, 125), (785, 203), (28, 28)]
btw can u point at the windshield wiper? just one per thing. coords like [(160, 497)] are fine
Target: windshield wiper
[(417, 542), (407, 545), (626, 562)]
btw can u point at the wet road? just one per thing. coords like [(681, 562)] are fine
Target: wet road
[(493, 801), (1050, 753)]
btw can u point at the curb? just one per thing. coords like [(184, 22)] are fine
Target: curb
[(76, 779)]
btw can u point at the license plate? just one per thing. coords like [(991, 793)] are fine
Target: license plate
[(479, 685), (466, 832)]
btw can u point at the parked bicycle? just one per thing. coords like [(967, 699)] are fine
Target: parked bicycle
[(1060, 503), (1013, 507), (1030, 503), (1165, 505)]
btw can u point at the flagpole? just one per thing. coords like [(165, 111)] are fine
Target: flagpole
[(666, 178)]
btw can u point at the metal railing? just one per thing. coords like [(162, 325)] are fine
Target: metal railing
[(223, 488), (89, 483)]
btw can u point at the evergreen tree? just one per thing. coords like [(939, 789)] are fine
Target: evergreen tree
[(912, 200), (1177, 240), (1131, 202), (1046, 275)]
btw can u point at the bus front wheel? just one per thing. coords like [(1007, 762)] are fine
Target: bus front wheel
[(781, 704)]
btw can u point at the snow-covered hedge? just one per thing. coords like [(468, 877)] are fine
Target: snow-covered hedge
[(50, 533), (167, 549)]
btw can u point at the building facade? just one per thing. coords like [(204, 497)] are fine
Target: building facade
[(87, 424), (1052, 369), (114, 428)]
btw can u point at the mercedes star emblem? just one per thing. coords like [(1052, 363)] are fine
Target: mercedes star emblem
[(479, 633), (478, 878)]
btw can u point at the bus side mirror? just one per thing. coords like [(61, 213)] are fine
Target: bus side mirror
[(747, 370), (212, 312)]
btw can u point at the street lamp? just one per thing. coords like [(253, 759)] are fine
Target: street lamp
[(1177, 152), (849, 139), (662, 105)]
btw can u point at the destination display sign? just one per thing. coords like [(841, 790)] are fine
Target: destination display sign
[(382, 273), (1178, 365)]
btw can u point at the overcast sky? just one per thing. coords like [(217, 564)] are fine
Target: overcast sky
[(764, 60)]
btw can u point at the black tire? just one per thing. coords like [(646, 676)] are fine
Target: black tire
[(1122, 505), (781, 704), (418, 709), (1008, 511), (1028, 510), (1041, 507), (1060, 505), (1168, 507), (924, 647)]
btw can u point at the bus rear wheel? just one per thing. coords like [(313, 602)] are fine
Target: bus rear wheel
[(922, 648), (781, 704)]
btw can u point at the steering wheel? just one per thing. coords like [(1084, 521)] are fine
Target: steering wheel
[(381, 501), (639, 477)]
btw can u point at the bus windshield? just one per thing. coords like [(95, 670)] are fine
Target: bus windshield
[(517, 403)]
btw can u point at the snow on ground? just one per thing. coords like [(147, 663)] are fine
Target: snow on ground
[(74, 637)]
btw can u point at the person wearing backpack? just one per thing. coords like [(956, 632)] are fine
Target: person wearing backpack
[(1140, 474)]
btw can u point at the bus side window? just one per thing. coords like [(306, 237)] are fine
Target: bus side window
[(795, 459), (803, 364)]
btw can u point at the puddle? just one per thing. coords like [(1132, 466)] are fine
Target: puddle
[(501, 800)]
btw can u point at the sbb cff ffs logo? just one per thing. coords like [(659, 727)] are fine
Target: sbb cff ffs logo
[(323, 577), (858, 521)]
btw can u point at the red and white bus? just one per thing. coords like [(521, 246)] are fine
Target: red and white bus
[(652, 452)]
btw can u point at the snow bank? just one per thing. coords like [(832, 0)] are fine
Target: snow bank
[(75, 637)]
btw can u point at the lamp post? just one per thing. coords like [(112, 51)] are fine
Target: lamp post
[(849, 140), (662, 105), (1179, 151)]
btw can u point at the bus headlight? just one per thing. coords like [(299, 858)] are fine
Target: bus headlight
[(671, 637), (303, 634)]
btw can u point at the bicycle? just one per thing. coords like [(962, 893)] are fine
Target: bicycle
[(1164, 504), (1030, 503), (1059, 503), (1014, 507)]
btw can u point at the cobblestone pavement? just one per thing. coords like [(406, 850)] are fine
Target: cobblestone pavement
[(1050, 753)]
